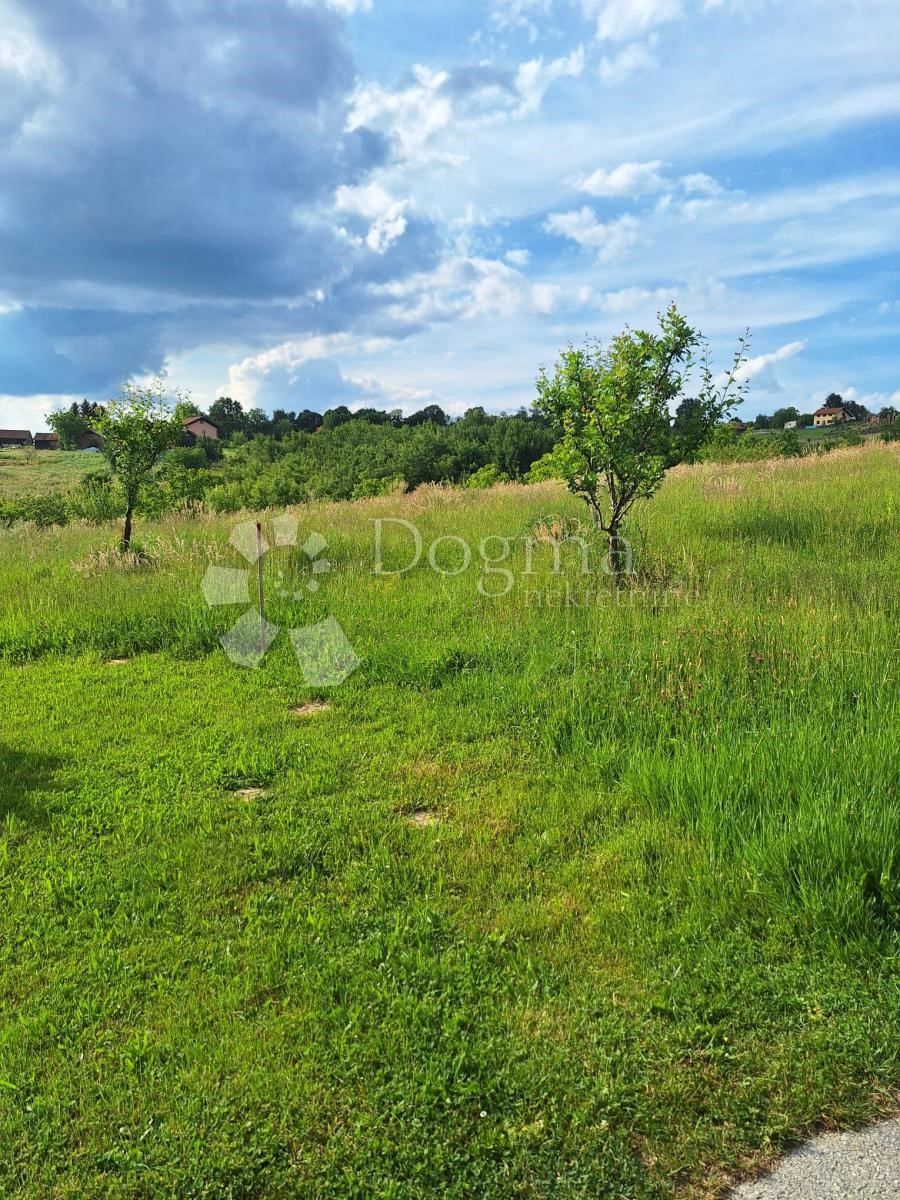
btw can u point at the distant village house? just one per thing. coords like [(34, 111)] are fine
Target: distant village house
[(830, 416), (46, 441), (200, 427), (11, 439)]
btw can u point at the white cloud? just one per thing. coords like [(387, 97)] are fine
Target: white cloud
[(413, 115), (755, 366), (629, 179), (619, 20), (394, 393), (637, 56), (463, 288), (628, 300), (873, 401), (518, 258), (386, 214), (30, 412), (351, 6), (760, 369), (246, 377), (519, 14), (533, 78), (701, 184), (610, 240)]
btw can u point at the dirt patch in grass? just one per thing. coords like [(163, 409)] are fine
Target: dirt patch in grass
[(423, 818), (117, 662), (312, 709), (249, 793)]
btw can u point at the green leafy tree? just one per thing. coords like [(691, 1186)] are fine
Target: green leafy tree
[(227, 416), (336, 416), (307, 421), (889, 413), (69, 424), (432, 413), (781, 417), (137, 429), (613, 408), (257, 422)]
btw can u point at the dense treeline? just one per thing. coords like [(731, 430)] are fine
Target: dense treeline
[(357, 458), (346, 456)]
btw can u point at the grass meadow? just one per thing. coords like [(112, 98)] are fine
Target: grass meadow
[(36, 472), (570, 892)]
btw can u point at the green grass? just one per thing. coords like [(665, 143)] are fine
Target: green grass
[(37, 472), (651, 938)]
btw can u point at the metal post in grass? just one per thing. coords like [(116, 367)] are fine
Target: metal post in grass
[(259, 586)]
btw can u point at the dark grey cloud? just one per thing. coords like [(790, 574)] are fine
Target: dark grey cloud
[(174, 160)]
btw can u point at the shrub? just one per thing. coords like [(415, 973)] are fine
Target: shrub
[(43, 511), (486, 477), (96, 498), (545, 468)]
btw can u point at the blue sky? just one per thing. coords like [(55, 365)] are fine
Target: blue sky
[(393, 203)]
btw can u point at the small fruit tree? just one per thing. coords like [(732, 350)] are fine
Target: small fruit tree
[(137, 429), (614, 410)]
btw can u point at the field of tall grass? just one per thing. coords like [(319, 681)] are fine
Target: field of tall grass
[(37, 472), (569, 890)]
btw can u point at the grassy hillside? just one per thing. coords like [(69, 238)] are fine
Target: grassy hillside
[(39, 472), (556, 899)]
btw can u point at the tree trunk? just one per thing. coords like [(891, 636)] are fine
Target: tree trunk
[(616, 558), (125, 544)]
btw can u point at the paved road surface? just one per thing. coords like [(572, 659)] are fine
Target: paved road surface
[(836, 1166)]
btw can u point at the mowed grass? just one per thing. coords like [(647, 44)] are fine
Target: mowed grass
[(647, 935), (37, 472)]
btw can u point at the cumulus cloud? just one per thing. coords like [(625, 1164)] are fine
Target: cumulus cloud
[(388, 222), (629, 179), (701, 184), (610, 240), (297, 371), (534, 78), (463, 288), (412, 115), (873, 401)]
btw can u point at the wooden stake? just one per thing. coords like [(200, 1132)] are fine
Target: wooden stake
[(259, 587)]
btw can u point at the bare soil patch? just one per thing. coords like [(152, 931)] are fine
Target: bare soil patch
[(249, 793), (311, 709), (423, 818)]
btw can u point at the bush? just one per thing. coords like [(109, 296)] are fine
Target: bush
[(486, 477), (43, 511), (545, 468), (96, 498)]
